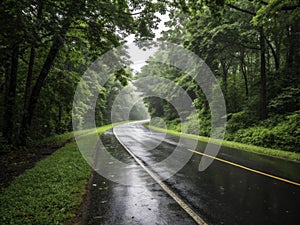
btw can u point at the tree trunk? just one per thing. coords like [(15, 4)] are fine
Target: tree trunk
[(29, 79), (10, 98), (293, 51), (263, 76), (225, 75), (27, 119), (244, 72), (4, 90), (59, 118), (275, 55)]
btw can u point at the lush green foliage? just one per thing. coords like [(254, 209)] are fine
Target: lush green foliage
[(252, 48), (46, 45), (49, 193), (282, 134), (236, 145)]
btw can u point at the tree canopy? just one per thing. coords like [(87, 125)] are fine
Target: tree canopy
[(46, 45), (252, 47)]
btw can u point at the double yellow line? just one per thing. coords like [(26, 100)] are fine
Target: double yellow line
[(245, 168)]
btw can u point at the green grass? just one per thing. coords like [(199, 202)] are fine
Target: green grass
[(51, 192), (239, 146), (53, 140)]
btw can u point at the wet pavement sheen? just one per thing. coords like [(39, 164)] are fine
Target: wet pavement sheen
[(117, 204), (222, 194)]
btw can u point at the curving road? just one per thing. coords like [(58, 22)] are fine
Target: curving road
[(240, 188)]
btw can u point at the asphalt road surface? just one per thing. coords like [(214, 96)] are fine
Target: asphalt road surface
[(238, 188)]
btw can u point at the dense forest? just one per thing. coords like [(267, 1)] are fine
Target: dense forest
[(252, 47), (46, 45)]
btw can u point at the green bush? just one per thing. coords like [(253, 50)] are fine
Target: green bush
[(285, 135), (287, 101), (239, 120)]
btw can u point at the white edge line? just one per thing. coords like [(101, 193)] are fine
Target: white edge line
[(181, 203)]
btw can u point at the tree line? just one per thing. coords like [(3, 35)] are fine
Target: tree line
[(251, 46), (46, 45), (253, 49)]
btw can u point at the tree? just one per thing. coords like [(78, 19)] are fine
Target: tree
[(37, 27), (247, 44)]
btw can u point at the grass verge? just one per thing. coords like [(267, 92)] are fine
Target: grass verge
[(51, 192), (239, 146), (54, 140)]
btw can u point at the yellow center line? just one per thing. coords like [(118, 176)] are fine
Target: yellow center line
[(246, 168)]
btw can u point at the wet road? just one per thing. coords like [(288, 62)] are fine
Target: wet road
[(222, 194)]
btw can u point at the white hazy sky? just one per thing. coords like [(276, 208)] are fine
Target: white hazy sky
[(138, 56)]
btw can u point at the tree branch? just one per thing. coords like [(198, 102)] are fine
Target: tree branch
[(241, 10), (289, 7), (273, 52), (131, 14)]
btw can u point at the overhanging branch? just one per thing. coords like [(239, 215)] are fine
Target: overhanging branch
[(286, 8), (241, 10)]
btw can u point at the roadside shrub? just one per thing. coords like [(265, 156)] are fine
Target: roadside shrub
[(239, 120), (198, 126), (254, 135), (285, 135), (287, 101)]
